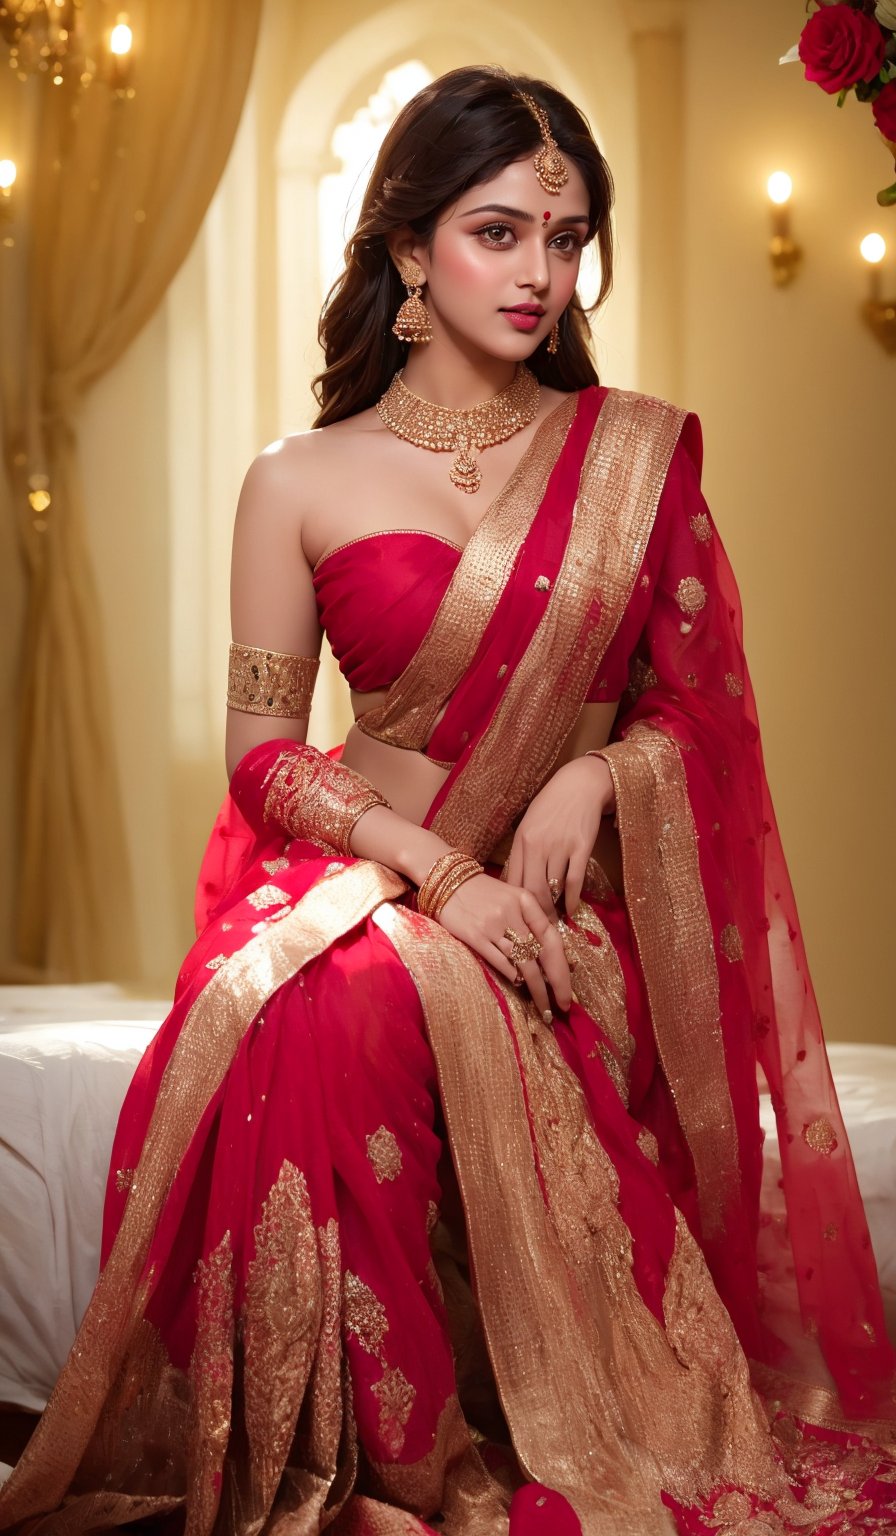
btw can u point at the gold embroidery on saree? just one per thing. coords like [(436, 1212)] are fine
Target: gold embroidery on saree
[(621, 482), (670, 921), (690, 594), (365, 1315), (211, 1386), (730, 942), (384, 1154), (407, 715), (267, 896), (281, 1320), (820, 1136), (451, 1479), (325, 1391), (395, 1395), (600, 988)]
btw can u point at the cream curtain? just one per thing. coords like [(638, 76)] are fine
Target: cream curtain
[(109, 198)]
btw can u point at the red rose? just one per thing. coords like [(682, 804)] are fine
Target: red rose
[(840, 46), (884, 109)]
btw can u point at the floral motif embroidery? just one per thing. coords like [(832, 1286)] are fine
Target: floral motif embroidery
[(396, 1399), (267, 896), (281, 1322), (212, 965), (384, 1154), (820, 1136), (211, 1382), (124, 1179), (734, 684), (731, 1507), (730, 942), (649, 1144), (690, 594), (273, 866), (701, 527), (365, 1315)]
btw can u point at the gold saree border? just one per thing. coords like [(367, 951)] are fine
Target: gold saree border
[(671, 924), (604, 1404), (784, 1391), (208, 1040), (622, 479), (408, 712)]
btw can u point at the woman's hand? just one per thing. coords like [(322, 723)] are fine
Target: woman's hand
[(478, 914), (555, 838)]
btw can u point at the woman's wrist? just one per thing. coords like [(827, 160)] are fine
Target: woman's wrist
[(410, 850), (596, 756)]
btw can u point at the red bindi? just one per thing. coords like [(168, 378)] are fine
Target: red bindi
[(546, 216)]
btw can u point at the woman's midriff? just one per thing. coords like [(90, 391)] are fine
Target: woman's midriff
[(410, 781)]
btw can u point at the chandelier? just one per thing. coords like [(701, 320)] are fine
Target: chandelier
[(70, 42)]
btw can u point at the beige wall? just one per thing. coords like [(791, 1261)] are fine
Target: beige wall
[(796, 402)]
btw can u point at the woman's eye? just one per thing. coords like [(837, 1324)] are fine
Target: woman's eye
[(494, 232), (572, 242)]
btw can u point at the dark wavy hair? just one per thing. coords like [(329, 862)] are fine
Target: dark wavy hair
[(461, 130)]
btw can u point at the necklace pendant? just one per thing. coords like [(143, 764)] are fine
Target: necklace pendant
[(465, 472)]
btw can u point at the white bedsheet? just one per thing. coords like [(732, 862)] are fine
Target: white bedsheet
[(67, 1055), (61, 1088)]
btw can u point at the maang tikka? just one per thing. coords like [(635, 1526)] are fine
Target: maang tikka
[(550, 166), (412, 323)]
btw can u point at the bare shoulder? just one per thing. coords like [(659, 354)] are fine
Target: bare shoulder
[(295, 471)]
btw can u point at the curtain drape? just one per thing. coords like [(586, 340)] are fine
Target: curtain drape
[(111, 194)]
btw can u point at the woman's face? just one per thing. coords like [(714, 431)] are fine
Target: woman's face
[(506, 243)]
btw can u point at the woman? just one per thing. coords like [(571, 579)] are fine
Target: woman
[(436, 1202)]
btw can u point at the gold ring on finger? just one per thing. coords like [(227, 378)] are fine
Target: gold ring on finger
[(555, 887), (522, 950)]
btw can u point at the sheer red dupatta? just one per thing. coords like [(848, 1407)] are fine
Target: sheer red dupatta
[(714, 915)]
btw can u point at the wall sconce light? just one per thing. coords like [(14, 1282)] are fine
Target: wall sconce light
[(121, 42), (7, 181), (784, 253), (877, 312)]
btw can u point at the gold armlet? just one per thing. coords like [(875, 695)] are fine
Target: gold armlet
[(270, 683), (452, 870), (319, 800)]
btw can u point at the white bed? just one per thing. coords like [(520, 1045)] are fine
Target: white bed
[(66, 1057)]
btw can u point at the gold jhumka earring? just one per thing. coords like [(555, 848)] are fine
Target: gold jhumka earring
[(554, 339), (412, 323)]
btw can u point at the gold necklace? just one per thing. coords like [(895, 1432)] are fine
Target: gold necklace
[(463, 433)]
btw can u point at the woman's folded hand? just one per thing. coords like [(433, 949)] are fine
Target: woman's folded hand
[(480, 913), (554, 840)]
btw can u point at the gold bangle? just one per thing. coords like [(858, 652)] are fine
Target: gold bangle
[(449, 872), (317, 799), (270, 682)]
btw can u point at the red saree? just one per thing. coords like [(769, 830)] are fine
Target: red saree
[(382, 1252)]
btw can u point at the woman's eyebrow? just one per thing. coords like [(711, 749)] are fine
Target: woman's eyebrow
[(519, 213)]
